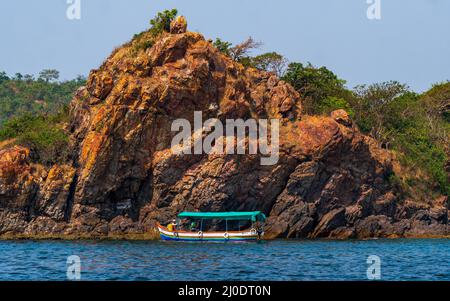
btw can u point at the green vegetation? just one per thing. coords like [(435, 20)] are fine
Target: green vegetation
[(159, 24), (162, 21), (49, 75), (239, 53), (414, 126), (33, 112), (223, 46), (270, 62), (42, 134), (322, 91), (24, 94)]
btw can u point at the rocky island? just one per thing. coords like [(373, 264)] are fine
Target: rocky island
[(121, 176)]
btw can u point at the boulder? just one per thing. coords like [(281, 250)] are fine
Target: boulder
[(178, 25)]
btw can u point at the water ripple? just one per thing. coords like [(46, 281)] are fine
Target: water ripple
[(273, 260)]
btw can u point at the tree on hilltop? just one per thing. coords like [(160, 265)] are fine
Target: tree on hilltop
[(162, 21), (49, 75)]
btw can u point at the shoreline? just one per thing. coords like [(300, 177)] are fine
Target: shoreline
[(156, 237)]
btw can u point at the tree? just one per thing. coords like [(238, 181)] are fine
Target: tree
[(159, 24), (270, 62), (371, 103), (316, 85), (49, 75), (379, 94), (162, 21), (18, 76), (223, 46), (332, 103), (241, 51), (28, 77), (438, 101), (3, 77), (81, 80)]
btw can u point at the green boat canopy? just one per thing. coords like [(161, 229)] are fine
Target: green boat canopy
[(253, 215)]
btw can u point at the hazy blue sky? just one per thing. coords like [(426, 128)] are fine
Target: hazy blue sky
[(411, 43)]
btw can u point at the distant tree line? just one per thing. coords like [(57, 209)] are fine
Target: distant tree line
[(33, 111), (45, 94)]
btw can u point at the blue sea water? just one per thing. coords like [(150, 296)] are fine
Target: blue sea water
[(402, 259)]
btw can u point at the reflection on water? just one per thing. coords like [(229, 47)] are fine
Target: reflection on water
[(270, 260)]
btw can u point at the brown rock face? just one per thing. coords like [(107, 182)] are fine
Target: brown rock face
[(329, 181), (17, 189), (341, 117)]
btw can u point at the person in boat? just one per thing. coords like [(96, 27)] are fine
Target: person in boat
[(172, 226), (193, 227), (259, 228)]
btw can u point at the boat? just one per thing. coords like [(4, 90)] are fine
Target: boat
[(254, 233)]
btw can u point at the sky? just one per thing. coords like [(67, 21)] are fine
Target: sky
[(410, 43)]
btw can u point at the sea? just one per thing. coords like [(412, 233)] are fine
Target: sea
[(298, 260)]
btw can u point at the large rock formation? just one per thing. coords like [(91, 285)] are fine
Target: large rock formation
[(123, 176)]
